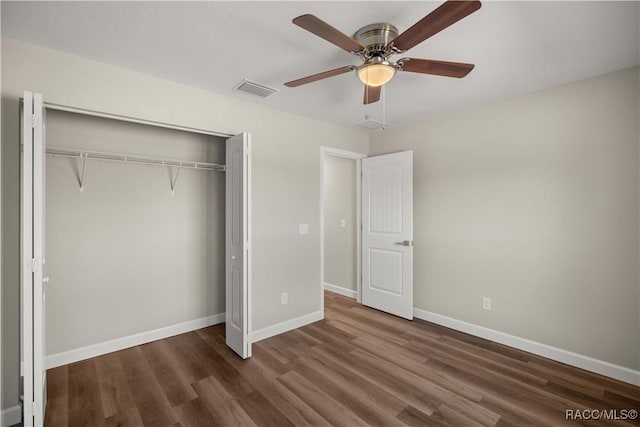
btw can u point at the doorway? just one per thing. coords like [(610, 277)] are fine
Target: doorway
[(340, 222), (383, 228)]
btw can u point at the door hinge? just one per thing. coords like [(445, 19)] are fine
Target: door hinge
[(35, 121), (35, 410), (33, 265), (29, 409)]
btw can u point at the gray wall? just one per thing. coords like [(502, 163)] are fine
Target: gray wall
[(340, 203), (533, 202), (125, 256), (286, 173)]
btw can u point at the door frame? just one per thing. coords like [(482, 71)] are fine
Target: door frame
[(336, 152)]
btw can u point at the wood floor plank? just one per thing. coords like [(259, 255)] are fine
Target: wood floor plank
[(225, 410), (85, 407), (215, 365), (415, 418), (194, 355), (296, 410), (57, 414), (271, 361), (114, 389), (378, 396), (433, 391), (128, 418), (357, 400), (481, 357), (172, 373), (153, 406), (356, 367), (458, 418), (507, 397), (388, 383), (194, 413), (262, 411), (416, 366), (321, 402)]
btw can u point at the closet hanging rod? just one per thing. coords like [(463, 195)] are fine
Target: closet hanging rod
[(132, 158)]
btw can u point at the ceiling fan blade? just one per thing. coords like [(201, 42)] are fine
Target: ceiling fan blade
[(321, 29), (320, 76), (438, 68), (447, 14), (371, 94)]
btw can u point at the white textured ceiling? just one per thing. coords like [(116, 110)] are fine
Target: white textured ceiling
[(517, 47)]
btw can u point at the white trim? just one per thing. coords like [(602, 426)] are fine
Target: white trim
[(99, 349), (249, 241), (341, 153), (340, 290), (329, 151), (570, 358), (359, 230), (10, 416), (122, 118), (286, 326)]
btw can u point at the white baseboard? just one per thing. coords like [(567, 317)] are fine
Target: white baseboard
[(288, 325), (570, 358), (99, 349), (10, 416), (340, 290)]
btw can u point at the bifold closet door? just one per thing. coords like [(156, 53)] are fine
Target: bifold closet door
[(237, 288), (32, 280)]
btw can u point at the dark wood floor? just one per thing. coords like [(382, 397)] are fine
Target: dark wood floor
[(357, 367)]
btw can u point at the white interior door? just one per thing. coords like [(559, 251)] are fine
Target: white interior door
[(238, 279), (33, 260), (387, 233)]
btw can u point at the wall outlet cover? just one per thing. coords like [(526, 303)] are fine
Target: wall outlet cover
[(486, 303)]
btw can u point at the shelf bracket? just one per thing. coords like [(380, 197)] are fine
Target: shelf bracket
[(83, 156), (173, 178)]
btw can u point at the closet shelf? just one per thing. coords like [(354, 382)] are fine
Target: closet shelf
[(132, 158)]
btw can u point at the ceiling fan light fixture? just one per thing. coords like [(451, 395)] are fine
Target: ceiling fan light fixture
[(376, 73)]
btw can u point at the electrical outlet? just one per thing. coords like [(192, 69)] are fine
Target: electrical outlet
[(284, 298), (486, 303), (343, 223), (304, 229)]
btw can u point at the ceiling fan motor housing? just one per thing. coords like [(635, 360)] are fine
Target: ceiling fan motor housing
[(376, 38)]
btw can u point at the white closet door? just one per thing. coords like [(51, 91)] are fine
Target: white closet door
[(32, 259), (387, 233), (237, 244)]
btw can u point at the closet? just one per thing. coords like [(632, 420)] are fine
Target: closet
[(126, 253), (134, 230)]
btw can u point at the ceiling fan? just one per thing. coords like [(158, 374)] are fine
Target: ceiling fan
[(374, 44)]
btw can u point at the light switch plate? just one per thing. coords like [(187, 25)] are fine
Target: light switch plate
[(304, 229), (343, 223)]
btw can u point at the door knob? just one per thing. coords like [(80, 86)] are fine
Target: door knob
[(405, 243), (233, 257), (45, 279)]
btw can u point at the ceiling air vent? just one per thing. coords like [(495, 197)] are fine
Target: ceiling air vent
[(371, 125), (254, 88)]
